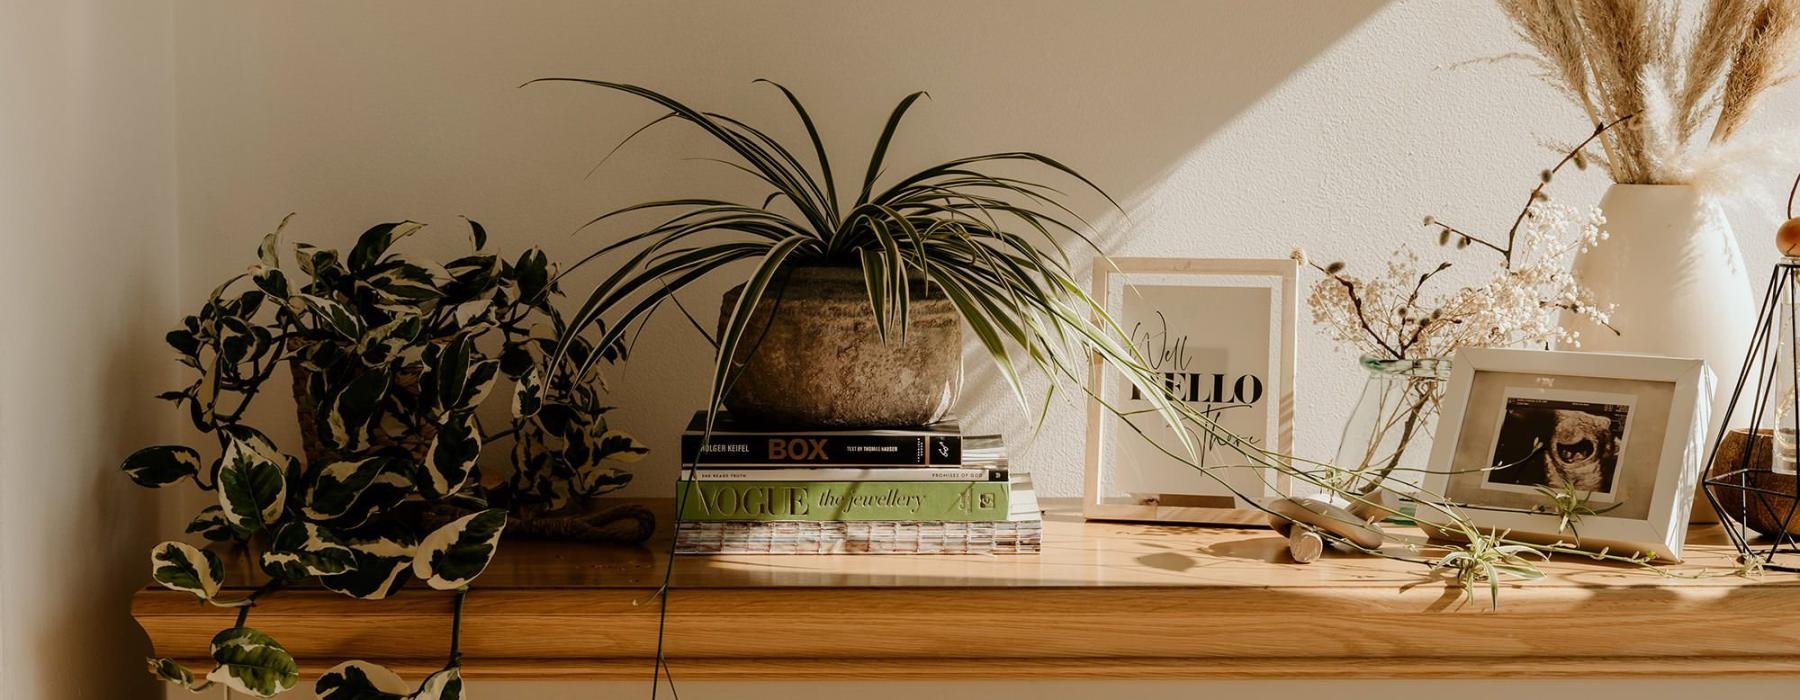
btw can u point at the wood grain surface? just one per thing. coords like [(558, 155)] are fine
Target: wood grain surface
[(1104, 600)]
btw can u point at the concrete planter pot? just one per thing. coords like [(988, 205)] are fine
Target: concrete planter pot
[(811, 357)]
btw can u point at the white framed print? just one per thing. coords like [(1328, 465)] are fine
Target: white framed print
[(1221, 334), (1625, 432)]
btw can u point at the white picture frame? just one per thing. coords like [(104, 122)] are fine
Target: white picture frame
[(1127, 477), (1632, 426)]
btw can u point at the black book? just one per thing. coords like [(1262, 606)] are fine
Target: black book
[(736, 445)]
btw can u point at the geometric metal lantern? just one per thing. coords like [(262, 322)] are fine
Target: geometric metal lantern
[(1750, 473)]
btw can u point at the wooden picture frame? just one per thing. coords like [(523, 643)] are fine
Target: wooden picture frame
[(1219, 329), (1515, 420)]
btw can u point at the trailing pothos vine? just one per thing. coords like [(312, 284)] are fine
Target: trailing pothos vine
[(391, 357)]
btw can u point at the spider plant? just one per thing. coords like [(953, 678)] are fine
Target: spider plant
[(1487, 558), (1571, 505), (990, 243)]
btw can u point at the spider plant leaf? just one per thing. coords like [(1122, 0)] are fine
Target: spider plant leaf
[(875, 270), (757, 156), (881, 145), (984, 330), (812, 132), (628, 139), (798, 178), (662, 290), (733, 333), (630, 279)]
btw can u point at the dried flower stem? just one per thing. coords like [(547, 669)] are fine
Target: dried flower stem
[(1537, 194)]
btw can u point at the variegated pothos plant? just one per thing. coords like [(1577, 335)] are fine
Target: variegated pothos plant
[(392, 356)]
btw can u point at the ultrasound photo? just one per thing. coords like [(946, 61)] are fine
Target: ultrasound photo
[(1547, 442)]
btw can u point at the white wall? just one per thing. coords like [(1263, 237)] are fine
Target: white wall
[(1229, 129), (1234, 128), (87, 283)]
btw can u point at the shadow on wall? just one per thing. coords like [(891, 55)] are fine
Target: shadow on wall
[(414, 112), (1121, 92)]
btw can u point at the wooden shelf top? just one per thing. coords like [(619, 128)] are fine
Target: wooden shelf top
[(1102, 600)]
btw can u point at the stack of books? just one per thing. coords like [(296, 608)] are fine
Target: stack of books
[(931, 490)]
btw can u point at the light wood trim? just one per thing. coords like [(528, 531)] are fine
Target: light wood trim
[(1106, 600)]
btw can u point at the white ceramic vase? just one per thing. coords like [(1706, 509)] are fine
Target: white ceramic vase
[(1673, 268)]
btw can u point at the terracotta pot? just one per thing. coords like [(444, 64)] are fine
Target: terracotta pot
[(811, 356)]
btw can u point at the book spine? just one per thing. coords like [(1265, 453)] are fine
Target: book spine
[(714, 501), (828, 450), (890, 537), (754, 473)]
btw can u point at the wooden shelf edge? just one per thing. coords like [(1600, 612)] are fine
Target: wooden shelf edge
[(888, 669)]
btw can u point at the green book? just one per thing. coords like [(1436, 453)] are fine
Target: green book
[(708, 501)]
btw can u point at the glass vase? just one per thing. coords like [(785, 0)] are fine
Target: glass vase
[(1387, 439), (1786, 387)]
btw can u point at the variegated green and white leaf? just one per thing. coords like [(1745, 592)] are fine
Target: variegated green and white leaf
[(477, 233), (314, 261), (360, 680), (252, 486), (211, 524), (534, 273), (450, 372), (183, 567), (453, 555), (374, 243), (172, 672), (528, 394), (256, 442), (337, 318), (162, 465), (620, 446), (386, 341), (299, 550), (480, 382), (451, 460), (595, 480), (443, 685), (383, 562), (349, 493), (252, 662), (345, 417), (409, 283), (206, 392), (468, 312), (267, 251), (272, 281)]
